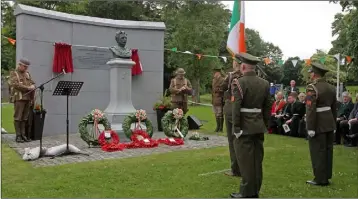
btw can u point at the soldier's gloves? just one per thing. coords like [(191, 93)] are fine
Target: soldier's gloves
[(334, 131), (311, 133), (237, 135)]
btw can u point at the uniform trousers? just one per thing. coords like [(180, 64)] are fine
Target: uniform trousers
[(230, 137), (249, 151), (321, 152), (22, 110)]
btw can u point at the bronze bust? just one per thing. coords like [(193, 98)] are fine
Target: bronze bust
[(121, 51)]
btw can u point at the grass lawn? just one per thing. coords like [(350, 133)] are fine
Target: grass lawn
[(176, 174), (7, 113)]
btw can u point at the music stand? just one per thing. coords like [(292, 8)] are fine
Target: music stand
[(68, 88)]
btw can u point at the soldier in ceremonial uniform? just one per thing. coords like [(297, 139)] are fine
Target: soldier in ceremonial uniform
[(21, 83), (321, 114), (217, 99), (251, 107), (180, 88), (226, 87)]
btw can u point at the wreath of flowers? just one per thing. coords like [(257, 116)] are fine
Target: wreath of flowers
[(110, 143), (95, 117), (138, 116), (141, 139), (172, 120)]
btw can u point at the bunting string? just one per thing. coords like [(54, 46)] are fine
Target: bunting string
[(348, 59)]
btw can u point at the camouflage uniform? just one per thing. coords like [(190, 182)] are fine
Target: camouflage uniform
[(217, 101), (20, 83), (251, 107), (180, 98), (321, 114)]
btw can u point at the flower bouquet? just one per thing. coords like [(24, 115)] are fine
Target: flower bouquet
[(161, 107), (141, 115), (196, 136), (163, 104)]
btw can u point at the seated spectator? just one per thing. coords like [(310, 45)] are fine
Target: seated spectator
[(302, 97), (292, 115), (349, 128), (302, 126), (342, 116), (277, 108)]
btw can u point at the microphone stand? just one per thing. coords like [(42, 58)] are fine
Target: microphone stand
[(41, 87)]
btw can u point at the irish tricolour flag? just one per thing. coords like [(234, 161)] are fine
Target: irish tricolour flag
[(236, 40)]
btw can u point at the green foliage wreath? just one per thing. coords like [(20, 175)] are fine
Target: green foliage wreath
[(82, 127), (168, 122), (132, 119)]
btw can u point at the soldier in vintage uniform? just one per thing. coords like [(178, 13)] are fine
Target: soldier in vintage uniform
[(251, 107), (180, 88), (217, 99), (321, 114), (226, 87), (21, 83)]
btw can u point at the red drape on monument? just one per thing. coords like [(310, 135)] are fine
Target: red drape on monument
[(62, 59), (137, 68)]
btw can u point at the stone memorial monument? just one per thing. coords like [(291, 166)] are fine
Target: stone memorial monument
[(108, 84), (120, 104)]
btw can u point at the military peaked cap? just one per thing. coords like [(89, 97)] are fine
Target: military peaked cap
[(318, 68), (24, 62), (247, 58)]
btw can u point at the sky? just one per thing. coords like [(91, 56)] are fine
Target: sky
[(297, 27)]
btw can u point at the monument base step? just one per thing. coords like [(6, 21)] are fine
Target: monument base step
[(119, 130)]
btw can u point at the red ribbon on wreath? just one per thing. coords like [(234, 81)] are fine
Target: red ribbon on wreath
[(114, 145), (171, 141), (141, 139)]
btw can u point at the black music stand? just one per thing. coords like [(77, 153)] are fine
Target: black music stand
[(68, 88)]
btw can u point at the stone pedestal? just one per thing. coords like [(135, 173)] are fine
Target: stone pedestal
[(120, 104)]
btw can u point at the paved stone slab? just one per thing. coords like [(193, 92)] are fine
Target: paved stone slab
[(98, 154)]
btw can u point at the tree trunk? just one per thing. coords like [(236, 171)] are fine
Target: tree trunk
[(197, 89)]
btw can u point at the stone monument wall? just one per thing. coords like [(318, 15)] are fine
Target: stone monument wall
[(37, 30)]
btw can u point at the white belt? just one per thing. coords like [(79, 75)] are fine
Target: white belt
[(250, 110), (322, 109)]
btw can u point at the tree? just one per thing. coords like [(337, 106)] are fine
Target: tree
[(345, 27), (8, 29), (330, 62), (291, 72), (199, 28)]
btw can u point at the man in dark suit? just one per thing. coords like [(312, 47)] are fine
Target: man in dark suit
[(342, 117), (292, 88), (297, 111), (348, 127)]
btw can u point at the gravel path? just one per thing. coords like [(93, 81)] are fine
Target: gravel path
[(97, 154)]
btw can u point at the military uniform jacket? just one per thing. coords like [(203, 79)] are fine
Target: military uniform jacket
[(175, 85), (226, 84), (217, 91), (251, 104), (321, 107), (19, 82)]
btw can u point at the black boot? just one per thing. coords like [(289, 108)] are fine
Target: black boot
[(217, 125), (23, 131), (221, 122)]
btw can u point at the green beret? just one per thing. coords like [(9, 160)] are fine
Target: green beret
[(247, 58), (318, 68)]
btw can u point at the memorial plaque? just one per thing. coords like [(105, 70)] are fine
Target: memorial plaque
[(91, 57)]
